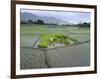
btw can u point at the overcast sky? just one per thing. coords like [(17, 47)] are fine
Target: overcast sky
[(73, 17)]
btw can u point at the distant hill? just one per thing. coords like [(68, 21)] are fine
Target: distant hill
[(25, 16)]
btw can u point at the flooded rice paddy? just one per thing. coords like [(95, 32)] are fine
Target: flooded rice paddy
[(67, 56)]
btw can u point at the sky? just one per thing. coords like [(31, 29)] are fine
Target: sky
[(73, 17)]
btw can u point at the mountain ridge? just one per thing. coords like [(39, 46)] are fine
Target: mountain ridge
[(25, 16)]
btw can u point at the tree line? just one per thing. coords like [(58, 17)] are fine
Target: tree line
[(33, 22), (85, 24), (39, 21)]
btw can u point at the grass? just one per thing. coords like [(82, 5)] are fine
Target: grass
[(44, 41), (44, 32), (56, 38)]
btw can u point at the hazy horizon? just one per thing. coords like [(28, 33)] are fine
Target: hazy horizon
[(73, 17)]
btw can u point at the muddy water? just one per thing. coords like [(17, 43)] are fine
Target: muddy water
[(72, 56)]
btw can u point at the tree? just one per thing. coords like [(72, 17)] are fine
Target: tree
[(30, 21), (39, 21), (85, 24)]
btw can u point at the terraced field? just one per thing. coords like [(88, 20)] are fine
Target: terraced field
[(69, 56)]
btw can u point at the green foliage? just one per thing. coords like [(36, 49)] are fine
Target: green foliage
[(30, 21), (57, 38), (39, 21), (69, 42), (44, 41), (84, 24)]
